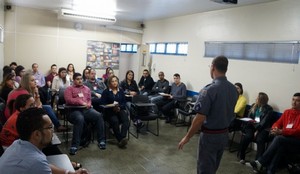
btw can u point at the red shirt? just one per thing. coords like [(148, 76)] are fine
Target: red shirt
[(289, 122), (9, 131), (78, 95), (12, 96)]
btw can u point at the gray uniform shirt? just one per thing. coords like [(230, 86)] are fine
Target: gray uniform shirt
[(217, 101)]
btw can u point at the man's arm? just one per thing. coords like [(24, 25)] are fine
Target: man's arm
[(196, 124)]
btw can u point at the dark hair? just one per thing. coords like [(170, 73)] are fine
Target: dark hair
[(13, 63), (146, 70), (83, 73), (52, 65), (59, 71), (263, 98), (129, 71), (88, 67), (297, 94), (6, 78), (21, 101), (240, 86), (29, 121), (110, 79), (18, 70), (69, 66), (107, 70), (7, 70), (221, 63), (34, 64), (176, 75), (76, 75)]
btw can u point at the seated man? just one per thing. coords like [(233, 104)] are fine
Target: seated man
[(24, 155), (80, 95), (178, 93), (161, 86), (287, 138), (97, 87), (146, 83), (38, 76)]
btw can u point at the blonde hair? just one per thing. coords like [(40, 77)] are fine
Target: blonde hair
[(262, 100), (25, 82)]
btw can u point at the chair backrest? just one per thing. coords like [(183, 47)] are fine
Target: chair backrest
[(61, 96), (194, 98), (140, 99)]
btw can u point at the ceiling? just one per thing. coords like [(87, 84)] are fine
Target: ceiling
[(140, 10)]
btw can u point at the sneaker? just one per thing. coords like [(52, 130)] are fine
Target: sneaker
[(256, 166), (102, 145), (123, 143), (73, 151), (242, 161)]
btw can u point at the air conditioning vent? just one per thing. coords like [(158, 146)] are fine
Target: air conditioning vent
[(84, 17)]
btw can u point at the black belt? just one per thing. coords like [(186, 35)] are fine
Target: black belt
[(213, 131)]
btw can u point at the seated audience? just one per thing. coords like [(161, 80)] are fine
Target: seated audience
[(28, 86), (161, 86), (80, 95), (97, 87), (85, 74), (70, 72), (116, 115), (146, 83), (261, 114), (7, 85), (106, 75), (13, 65), (52, 74), (239, 109), (39, 77), (20, 70), (60, 81), (177, 94), (287, 138), (110, 73), (25, 155)]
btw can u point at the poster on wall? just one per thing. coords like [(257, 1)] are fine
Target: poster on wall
[(101, 55)]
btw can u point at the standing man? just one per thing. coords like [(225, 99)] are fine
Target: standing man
[(39, 77), (215, 111), (146, 83), (80, 95)]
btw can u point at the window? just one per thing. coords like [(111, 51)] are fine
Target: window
[(284, 52), (129, 48), (169, 48)]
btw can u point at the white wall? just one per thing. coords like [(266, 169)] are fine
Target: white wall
[(1, 44), (34, 35), (274, 21)]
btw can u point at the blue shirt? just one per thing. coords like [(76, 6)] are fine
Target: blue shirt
[(22, 157), (217, 101), (40, 79), (108, 97)]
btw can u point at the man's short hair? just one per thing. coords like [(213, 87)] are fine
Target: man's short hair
[(221, 63), (297, 94), (13, 63), (29, 121), (53, 65), (76, 75), (176, 75), (146, 70), (33, 65)]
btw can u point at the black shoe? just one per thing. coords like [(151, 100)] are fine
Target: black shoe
[(123, 143), (256, 166), (140, 125)]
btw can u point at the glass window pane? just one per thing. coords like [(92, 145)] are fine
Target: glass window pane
[(182, 48), (171, 48), (129, 48), (160, 48), (134, 48), (152, 48), (123, 47)]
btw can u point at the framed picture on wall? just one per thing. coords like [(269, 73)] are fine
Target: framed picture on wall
[(101, 55)]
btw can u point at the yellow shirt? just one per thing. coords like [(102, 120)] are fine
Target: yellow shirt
[(240, 106)]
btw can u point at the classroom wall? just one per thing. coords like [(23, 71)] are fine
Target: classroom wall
[(274, 21), (1, 44), (36, 35)]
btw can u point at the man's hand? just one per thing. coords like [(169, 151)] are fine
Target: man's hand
[(98, 95), (276, 131), (183, 142)]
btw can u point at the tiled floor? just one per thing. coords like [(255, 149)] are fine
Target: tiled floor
[(152, 154)]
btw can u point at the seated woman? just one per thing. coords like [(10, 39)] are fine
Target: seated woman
[(106, 75), (239, 108), (116, 115), (7, 85), (261, 113), (61, 81)]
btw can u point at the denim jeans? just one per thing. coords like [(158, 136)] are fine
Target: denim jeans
[(48, 109)]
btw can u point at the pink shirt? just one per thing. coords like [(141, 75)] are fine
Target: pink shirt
[(78, 95)]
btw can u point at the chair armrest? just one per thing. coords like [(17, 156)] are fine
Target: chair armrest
[(74, 107)]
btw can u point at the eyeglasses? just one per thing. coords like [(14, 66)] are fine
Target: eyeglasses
[(49, 127)]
